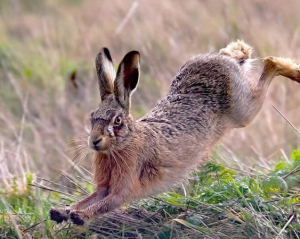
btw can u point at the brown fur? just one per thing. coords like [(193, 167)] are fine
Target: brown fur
[(210, 95), (238, 50)]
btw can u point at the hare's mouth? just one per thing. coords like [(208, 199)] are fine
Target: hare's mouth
[(97, 143), (96, 148), (99, 149)]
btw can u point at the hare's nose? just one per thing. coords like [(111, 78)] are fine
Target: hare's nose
[(96, 142)]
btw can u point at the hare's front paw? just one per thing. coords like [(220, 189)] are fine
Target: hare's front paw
[(78, 217), (59, 215)]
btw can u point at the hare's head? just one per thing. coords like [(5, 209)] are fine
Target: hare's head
[(112, 124)]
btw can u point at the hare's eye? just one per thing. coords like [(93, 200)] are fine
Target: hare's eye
[(118, 121)]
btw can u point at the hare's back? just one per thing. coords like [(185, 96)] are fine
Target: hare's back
[(202, 88), (206, 74)]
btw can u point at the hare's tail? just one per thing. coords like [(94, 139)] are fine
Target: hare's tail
[(273, 66), (239, 50)]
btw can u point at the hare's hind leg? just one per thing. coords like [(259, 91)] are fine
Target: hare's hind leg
[(247, 101), (275, 66)]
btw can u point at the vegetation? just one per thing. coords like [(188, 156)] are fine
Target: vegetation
[(47, 89), (218, 202)]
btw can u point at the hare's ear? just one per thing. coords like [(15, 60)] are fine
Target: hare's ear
[(105, 72), (127, 78)]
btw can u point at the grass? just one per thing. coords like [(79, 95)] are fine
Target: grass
[(217, 202), (44, 44), (250, 188)]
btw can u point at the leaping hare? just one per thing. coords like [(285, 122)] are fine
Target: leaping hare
[(210, 95)]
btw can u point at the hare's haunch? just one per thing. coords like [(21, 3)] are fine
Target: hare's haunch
[(210, 95)]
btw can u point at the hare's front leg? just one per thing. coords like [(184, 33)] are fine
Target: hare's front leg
[(99, 194), (107, 204), (62, 214)]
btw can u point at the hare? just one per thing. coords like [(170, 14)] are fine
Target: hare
[(210, 95)]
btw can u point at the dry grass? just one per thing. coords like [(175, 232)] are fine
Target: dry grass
[(44, 43)]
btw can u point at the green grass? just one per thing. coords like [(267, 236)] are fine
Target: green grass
[(217, 202)]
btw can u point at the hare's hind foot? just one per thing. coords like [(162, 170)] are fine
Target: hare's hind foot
[(283, 66), (239, 50), (59, 215)]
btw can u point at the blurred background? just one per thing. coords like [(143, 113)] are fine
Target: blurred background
[(48, 84)]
